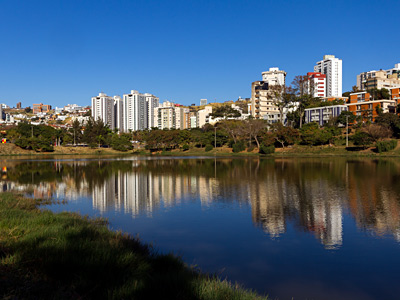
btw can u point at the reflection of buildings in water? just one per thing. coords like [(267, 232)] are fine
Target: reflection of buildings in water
[(374, 202), (138, 192), (130, 192), (268, 205), (315, 203)]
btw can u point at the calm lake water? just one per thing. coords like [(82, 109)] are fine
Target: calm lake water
[(291, 228)]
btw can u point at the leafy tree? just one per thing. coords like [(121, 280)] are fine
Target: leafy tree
[(225, 112), (121, 142), (253, 129), (342, 118), (282, 97), (361, 138), (284, 135), (309, 133), (391, 121)]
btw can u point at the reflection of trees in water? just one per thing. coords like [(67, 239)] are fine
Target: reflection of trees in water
[(310, 193)]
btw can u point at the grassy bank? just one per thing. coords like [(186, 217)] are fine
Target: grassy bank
[(63, 256)]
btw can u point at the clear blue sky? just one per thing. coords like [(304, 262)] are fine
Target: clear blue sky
[(60, 52)]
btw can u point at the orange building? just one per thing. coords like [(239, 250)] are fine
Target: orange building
[(360, 104), (38, 108), (395, 94)]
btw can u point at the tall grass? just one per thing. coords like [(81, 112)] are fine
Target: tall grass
[(62, 256)]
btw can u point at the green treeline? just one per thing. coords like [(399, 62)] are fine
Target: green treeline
[(239, 135)]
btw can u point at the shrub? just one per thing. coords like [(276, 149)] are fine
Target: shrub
[(384, 146), (251, 148), (209, 147), (267, 149), (362, 138), (238, 147), (185, 147)]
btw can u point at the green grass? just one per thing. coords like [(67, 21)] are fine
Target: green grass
[(65, 256)]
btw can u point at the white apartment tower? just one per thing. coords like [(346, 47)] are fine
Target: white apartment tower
[(118, 112), (274, 76), (152, 103), (262, 100), (103, 108), (135, 112), (332, 68)]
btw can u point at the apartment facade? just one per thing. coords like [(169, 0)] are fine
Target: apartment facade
[(361, 104), (152, 103), (38, 108), (263, 102), (364, 76), (382, 80), (103, 108), (322, 115), (332, 68), (135, 111), (316, 84)]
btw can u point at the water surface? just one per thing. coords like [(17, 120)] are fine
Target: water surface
[(302, 228)]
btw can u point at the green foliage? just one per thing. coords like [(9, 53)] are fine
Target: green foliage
[(40, 138), (309, 133), (121, 142), (285, 135), (361, 138), (379, 94), (96, 133), (344, 115), (238, 147), (225, 111), (385, 146), (185, 147), (392, 121), (208, 148), (264, 149), (34, 143)]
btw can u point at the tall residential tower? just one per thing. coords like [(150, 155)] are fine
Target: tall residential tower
[(332, 68)]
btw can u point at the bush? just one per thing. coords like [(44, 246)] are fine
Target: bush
[(238, 147), (186, 147), (384, 146), (209, 147), (361, 138), (267, 149), (251, 148)]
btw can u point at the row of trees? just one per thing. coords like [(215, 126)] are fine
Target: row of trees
[(239, 135)]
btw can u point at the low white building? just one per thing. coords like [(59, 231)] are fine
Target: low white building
[(322, 115)]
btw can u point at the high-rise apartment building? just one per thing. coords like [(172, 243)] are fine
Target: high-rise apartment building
[(262, 100), (316, 84), (170, 116), (103, 108), (274, 76), (119, 112), (363, 77), (332, 68), (152, 103), (135, 111)]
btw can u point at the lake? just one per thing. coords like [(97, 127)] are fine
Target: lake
[(301, 228)]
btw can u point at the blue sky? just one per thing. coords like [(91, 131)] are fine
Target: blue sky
[(60, 52)]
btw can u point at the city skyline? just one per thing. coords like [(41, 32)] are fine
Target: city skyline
[(67, 52)]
